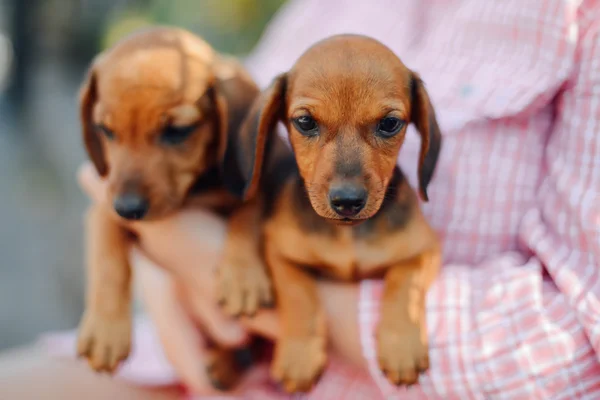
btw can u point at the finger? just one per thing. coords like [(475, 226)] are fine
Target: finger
[(91, 183), (222, 329), (182, 341), (189, 244), (265, 323)]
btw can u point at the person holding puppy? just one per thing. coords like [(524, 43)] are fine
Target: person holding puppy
[(515, 198)]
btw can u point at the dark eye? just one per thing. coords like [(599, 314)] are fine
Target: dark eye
[(110, 135), (389, 126), (174, 135), (306, 125)]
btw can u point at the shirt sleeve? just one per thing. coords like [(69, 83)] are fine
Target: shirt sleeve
[(525, 326)]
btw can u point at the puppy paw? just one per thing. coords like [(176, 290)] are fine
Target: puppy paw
[(221, 368), (402, 355), (104, 342), (244, 287), (299, 362)]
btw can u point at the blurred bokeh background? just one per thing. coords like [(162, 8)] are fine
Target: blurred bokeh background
[(45, 48)]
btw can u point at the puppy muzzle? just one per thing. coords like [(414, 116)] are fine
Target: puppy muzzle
[(131, 206), (347, 200)]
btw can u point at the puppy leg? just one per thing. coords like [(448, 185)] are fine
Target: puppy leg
[(105, 329), (300, 352), (402, 347), (243, 283)]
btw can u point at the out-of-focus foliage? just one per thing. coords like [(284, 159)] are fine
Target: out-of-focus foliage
[(232, 26)]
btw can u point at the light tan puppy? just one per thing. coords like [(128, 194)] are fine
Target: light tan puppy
[(157, 110)]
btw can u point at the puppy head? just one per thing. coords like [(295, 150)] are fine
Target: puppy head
[(346, 104), (153, 119)]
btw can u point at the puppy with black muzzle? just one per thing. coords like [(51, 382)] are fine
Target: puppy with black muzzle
[(338, 206)]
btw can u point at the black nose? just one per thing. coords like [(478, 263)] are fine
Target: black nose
[(347, 201), (131, 206)]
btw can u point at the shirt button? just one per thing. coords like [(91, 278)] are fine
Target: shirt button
[(466, 90)]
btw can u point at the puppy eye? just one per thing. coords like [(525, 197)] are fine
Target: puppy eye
[(389, 126), (174, 135), (110, 135), (306, 125)]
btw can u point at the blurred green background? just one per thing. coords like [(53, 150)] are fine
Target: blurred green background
[(45, 47)]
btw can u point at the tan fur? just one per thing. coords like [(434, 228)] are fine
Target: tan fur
[(104, 335), (340, 255), (347, 84), (148, 82), (243, 284)]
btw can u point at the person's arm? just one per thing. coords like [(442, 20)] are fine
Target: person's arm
[(503, 328)]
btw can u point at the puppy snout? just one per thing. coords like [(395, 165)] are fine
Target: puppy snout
[(131, 206), (347, 201)]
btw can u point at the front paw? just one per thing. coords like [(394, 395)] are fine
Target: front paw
[(104, 342), (244, 286), (402, 353), (299, 362)]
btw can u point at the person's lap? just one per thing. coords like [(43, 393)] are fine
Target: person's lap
[(31, 373)]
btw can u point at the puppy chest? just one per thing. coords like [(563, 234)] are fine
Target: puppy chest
[(340, 256), (355, 259)]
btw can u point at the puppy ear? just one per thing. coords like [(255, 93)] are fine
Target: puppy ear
[(222, 112), (87, 100), (423, 116), (259, 125), (233, 96)]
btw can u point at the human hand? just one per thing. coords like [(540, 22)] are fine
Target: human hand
[(175, 267)]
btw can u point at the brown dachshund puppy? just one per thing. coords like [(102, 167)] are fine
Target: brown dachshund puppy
[(339, 207), (157, 111)]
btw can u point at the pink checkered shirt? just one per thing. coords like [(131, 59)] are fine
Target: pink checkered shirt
[(515, 312)]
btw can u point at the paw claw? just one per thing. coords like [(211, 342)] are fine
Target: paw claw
[(423, 364)]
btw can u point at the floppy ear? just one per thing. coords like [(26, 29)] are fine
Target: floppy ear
[(222, 113), (233, 95), (250, 145), (87, 100), (423, 116)]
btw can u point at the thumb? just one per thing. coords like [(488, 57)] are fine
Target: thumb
[(265, 323), (222, 329), (91, 183)]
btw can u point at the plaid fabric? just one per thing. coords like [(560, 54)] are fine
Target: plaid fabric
[(515, 313)]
